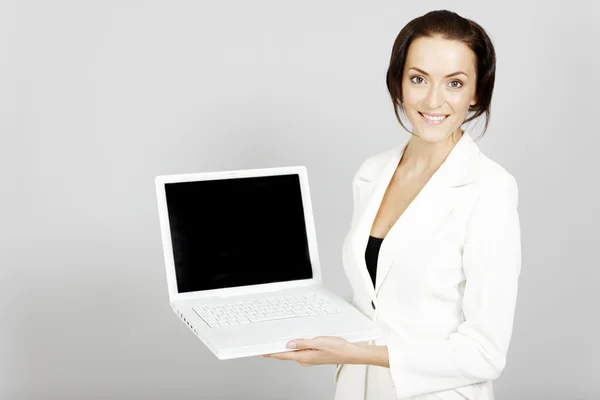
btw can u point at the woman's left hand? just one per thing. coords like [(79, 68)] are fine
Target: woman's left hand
[(318, 351)]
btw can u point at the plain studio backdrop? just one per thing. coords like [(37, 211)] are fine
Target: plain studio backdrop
[(99, 97)]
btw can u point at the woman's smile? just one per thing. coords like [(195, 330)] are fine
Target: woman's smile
[(433, 120)]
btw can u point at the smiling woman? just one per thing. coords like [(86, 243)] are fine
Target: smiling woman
[(442, 65), (449, 317), (442, 279), (432, 98)]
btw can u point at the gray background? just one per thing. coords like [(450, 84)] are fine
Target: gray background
[(99, 97)]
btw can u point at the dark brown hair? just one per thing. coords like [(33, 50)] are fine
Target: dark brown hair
[(451, 26)]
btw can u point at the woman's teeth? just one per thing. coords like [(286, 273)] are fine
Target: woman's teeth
[(440, 118), (437, 120)]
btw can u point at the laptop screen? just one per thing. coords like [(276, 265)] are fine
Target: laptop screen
[(237, 232)]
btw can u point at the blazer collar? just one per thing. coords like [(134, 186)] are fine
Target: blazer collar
[(426, 213), (460, 168)]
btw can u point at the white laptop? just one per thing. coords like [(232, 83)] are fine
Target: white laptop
[(243, 271)]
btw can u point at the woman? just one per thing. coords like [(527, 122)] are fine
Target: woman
[(433, 253)]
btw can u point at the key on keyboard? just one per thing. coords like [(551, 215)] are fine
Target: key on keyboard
[(265, 309)]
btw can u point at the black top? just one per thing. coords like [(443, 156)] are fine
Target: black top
[(371, 255)]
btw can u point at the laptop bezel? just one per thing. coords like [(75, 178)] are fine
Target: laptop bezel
[(162, 180)]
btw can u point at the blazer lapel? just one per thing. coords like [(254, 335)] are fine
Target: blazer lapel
[(424, 216), (372, 184)]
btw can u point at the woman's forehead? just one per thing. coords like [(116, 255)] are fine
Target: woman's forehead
[(439, 56)]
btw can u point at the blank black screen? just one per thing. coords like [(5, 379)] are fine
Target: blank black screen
[(237, 232)]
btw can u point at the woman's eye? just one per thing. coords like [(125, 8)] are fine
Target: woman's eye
[(418, 79)]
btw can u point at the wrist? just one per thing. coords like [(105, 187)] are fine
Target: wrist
[(362, 353), (357, 353)]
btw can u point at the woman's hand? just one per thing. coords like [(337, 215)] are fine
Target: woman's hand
[(318, 351)]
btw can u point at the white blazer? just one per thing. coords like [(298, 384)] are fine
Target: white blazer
[(447, 277)]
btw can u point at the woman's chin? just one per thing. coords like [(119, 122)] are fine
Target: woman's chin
[(431, 137), (433, 134)]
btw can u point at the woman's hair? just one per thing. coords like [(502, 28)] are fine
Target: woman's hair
[(451, 26)]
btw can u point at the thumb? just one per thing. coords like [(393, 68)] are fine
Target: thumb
[(303, 344)]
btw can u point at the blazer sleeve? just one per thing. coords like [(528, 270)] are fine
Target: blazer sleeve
[(477, 351)]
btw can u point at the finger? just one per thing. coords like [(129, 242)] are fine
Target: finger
[(317, 343), (272, 354), (305, 359), (290, 355), (301, 344), (278, 356)]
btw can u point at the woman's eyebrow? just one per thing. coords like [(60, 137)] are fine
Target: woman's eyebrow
[(447, 76)]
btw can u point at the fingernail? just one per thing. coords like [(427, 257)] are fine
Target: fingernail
[(291, 345)]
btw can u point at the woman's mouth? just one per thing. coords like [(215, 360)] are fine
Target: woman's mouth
[(433, 120)]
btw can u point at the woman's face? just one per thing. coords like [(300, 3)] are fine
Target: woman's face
[(427, 88)]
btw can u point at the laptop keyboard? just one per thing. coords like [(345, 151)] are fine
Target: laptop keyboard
[(265, 309)]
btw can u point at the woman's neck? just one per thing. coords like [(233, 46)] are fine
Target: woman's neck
[(423, 158)]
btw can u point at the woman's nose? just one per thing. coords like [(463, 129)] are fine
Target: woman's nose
[(435, 97)]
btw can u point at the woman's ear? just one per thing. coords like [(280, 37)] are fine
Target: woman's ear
[(474, 101)]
